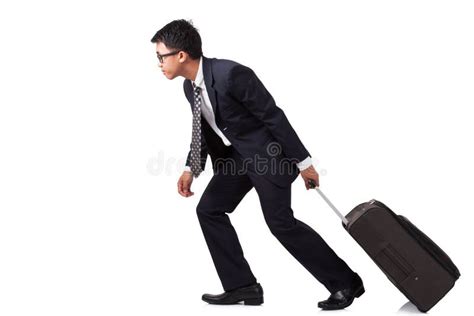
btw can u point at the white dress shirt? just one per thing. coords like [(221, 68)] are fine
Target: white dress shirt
[(208, 113)]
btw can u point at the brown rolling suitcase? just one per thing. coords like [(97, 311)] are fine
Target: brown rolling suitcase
[(420, 269)]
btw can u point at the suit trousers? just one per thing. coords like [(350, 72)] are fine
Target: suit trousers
[(222, 195)]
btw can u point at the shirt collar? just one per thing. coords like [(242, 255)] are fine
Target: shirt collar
[(199, 76)]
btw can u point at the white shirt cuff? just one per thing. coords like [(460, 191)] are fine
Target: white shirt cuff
[(304, 164), (187, 168)]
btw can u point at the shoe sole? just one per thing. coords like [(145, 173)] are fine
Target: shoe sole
[(248, 301), (254, 301)]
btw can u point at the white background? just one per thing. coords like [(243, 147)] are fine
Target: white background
[(93, 139)]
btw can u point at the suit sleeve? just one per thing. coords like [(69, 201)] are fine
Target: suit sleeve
[(204, 151), (245, 87)]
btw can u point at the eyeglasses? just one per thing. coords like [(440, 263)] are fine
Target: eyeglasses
[(160, 57)]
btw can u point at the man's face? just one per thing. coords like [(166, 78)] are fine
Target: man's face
[(171, 65)]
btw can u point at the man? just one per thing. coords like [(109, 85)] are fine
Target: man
[(236, 120)]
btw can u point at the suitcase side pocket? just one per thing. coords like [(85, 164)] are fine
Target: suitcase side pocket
[(393, 264)]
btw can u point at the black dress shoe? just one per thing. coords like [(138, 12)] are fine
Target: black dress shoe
[(250, 295), (343, 298)]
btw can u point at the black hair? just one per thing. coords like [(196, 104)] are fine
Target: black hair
[(181, 35)]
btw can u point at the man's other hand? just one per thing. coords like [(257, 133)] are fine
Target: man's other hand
[(184, 184)]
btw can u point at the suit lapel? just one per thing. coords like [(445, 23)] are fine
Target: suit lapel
[(209, 81), (188, 92)]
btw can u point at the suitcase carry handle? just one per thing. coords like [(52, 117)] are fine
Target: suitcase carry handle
[(313, 186)]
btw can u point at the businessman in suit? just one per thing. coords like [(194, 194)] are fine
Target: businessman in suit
[(251, 145)]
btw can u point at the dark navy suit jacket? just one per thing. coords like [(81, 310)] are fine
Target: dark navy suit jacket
[(247, 115)]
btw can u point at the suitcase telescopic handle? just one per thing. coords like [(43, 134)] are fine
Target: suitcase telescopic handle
[(313, 186)]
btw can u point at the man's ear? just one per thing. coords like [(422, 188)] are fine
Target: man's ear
[(182, 56)]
